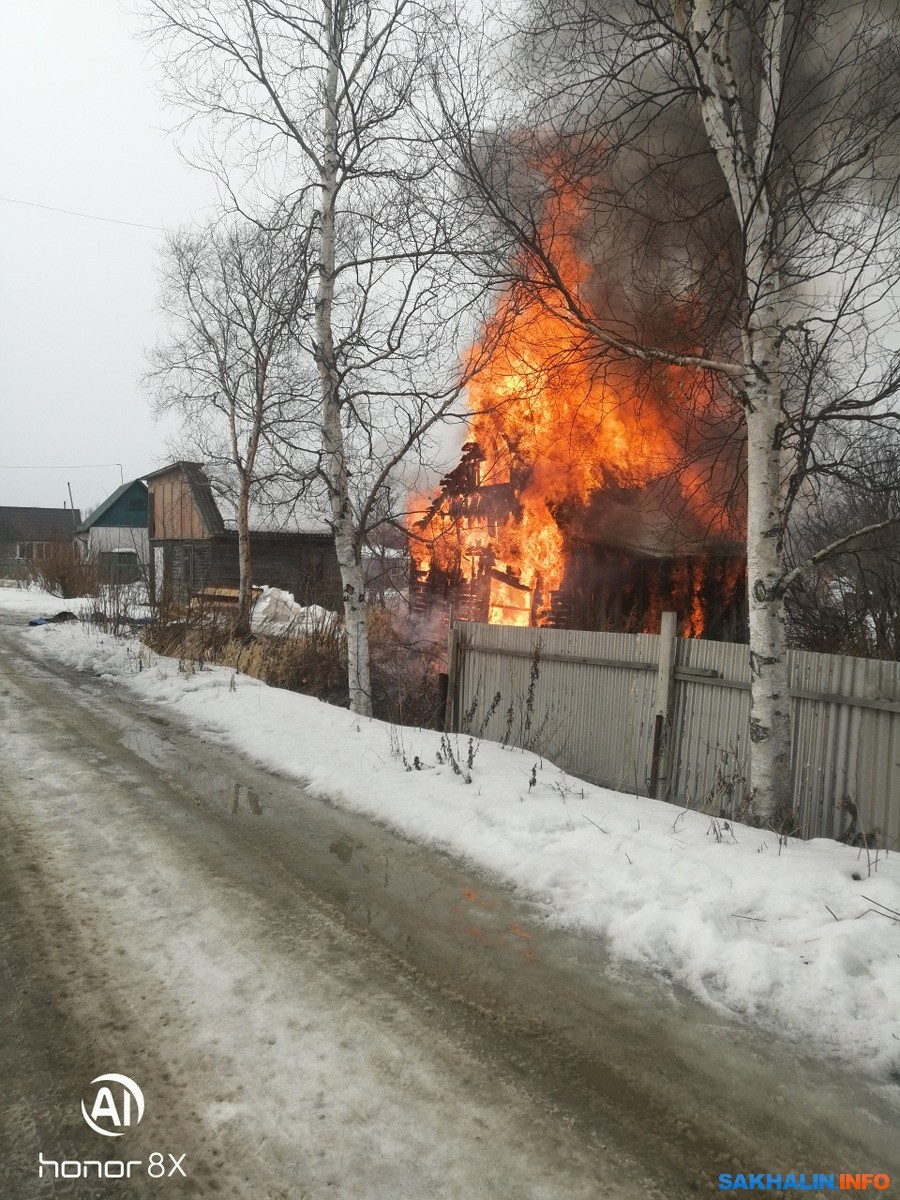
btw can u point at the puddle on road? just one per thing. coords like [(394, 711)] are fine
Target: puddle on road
[(153, 748), (159, 751), (378, 880), (343, 848)]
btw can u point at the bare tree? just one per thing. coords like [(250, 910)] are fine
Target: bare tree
[(848, 600), (336, 97), (737, 167), (236, 294)]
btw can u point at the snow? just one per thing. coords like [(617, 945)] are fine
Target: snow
[(799, 936), (125, 600), (271, 1051), (277, 612), (33, 601)]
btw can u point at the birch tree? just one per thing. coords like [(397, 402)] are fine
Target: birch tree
[(236, 295), (738, 160), (334, 97)]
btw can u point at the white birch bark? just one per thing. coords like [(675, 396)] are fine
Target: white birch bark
[(350, 84), (745, 171), (334, 451)]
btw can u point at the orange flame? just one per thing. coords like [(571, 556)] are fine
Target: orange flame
[(553, 425)]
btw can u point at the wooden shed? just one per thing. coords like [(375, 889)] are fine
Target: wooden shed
[(194, 549)]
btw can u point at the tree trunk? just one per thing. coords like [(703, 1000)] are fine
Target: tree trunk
[(334, 453), (354, 595), (771, 794), (245, 569), (770, 709), (744, 167)]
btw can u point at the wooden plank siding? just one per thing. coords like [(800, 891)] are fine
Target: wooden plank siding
[(191, 550), (303, 564), (173, 513)]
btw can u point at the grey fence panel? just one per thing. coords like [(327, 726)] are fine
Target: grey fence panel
[(878, 770), (846, 741), (592, 709), (592, 718), (709, 729), (730, 660), (709, 725)]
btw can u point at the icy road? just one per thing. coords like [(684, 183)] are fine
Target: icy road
[(315, 1008)]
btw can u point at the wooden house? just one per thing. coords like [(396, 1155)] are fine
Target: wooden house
[(115, 533), (628, 555), (194, 548), (25, 532)]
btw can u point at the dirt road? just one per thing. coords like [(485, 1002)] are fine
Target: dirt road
[(314, 1007)]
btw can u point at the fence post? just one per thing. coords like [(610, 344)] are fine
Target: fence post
[(661, 755), (452, 674)]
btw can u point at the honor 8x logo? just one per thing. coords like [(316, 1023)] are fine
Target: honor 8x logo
[(117, 1105)]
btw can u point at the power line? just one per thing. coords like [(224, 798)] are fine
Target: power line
[(44, 467), (87, 216)]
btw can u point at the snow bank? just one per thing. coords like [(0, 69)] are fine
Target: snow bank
[(802, 936), (277, 612), (35, 602)]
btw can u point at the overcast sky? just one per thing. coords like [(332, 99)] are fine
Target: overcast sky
[(81, 129)]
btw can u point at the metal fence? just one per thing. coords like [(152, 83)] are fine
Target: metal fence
[(666, 716)]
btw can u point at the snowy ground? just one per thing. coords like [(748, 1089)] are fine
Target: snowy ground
[(802, 936), (279, 1050), (31, 601)]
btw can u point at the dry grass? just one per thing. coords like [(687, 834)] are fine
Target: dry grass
[(405, 683), (313, 663)]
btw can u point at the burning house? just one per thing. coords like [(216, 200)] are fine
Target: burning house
[(591, 494), (618, 562)]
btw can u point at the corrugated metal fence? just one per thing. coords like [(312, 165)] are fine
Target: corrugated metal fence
[(670, 717)]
